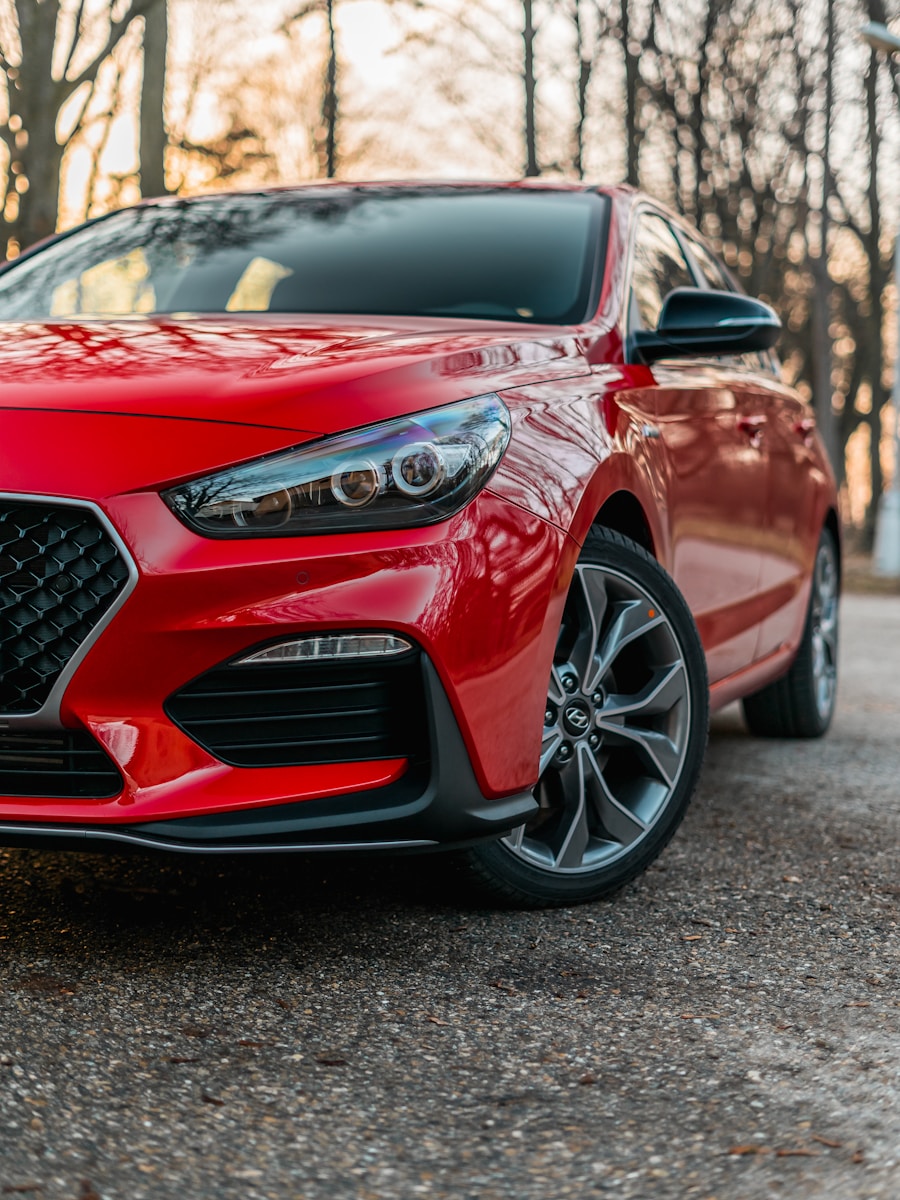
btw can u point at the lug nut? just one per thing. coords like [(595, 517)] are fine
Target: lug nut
[(599, 697), (569, 683), (564, 753), (594, 741), (549, 717)]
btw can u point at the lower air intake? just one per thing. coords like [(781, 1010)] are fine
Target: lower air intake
[(65, 765), (288, 714)]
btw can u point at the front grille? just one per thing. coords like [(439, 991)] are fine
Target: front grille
[(59, 573), (67, 765), (300, 714)]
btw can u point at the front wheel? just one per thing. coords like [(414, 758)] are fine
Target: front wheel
[(624, 735)]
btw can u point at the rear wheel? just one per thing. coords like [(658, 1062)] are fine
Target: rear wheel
[(624, 735), (802, 702)]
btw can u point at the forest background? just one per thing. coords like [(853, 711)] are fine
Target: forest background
[(769, 123)]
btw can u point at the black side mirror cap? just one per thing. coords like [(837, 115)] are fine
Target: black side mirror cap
[(695, 322)]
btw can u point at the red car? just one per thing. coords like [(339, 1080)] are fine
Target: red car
[(397, 517)]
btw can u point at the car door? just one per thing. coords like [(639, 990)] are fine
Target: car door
[(713, 441), (787, 429)]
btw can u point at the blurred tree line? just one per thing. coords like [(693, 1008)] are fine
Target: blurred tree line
[(769, 123)]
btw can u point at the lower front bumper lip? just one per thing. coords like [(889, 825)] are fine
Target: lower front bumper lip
[(84, 838), (429, 807)]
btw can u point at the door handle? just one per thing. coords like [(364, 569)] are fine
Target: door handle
[(753, 427)]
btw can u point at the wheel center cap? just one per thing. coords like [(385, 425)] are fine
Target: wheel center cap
[(577, 719)]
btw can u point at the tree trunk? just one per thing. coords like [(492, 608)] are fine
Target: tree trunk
[(34, 104), (153, 140), (330, 97), (821, 307), (528, 33), (632, 83)]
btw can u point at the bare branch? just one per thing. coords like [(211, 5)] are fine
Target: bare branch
[(117, 30)]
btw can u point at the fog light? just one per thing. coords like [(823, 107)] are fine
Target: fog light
[(330, 646)]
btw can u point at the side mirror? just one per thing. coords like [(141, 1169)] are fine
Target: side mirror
[(693, 322)]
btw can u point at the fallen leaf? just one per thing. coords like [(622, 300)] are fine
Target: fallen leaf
[(700, 1016), (817, 1137), (791, 879), (799, 1153), (857, 1157), (331, 1060), (253, 1045), (435, 1020), (692, 937), (857, 1004), (179, 1058), (212, 1100), (586, 1080), (749, 1149)]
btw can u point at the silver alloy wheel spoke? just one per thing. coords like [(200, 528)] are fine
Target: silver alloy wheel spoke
[(592, 601), (552, 741), (664, 690), (618, 822), (658, 752), (631, 621), (660, 696), (576, 834), (556, 693)]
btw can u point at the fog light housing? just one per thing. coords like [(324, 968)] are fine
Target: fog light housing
[(321, 647)]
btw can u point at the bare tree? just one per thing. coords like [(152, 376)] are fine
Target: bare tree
[(51, 55)]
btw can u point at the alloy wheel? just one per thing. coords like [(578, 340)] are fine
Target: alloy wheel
[(617, 727)]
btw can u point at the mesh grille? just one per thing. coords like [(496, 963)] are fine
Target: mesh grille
[(59, 573), (66, 765), (290, 715)]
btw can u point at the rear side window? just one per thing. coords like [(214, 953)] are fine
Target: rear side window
[(658, 266)]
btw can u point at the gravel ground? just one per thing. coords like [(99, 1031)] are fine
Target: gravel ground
[(726, 1028)]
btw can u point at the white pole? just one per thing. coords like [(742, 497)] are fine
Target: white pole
[(887, 518)]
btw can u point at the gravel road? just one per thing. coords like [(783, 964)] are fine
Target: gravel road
[(726, 1028)]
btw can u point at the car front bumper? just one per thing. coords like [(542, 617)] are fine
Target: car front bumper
[(480, 599)]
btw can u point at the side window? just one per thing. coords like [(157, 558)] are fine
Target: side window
[(711, 270), (659, 266)]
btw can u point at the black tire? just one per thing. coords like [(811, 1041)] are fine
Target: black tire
[(801, 703), (624, 736)]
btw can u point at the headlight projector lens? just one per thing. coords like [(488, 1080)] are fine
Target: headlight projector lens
[(356, 484), (418, 469)]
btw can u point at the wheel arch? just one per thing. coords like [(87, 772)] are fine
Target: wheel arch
[(833, 524), (623, 513)]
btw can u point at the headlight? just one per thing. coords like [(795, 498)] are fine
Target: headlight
[(412, 471)]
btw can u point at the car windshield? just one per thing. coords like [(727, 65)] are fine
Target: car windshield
[(500, 254)]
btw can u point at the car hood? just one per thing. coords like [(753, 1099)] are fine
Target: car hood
[(284, 373)]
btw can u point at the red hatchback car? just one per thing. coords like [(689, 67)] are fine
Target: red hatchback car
[(397, 517)]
